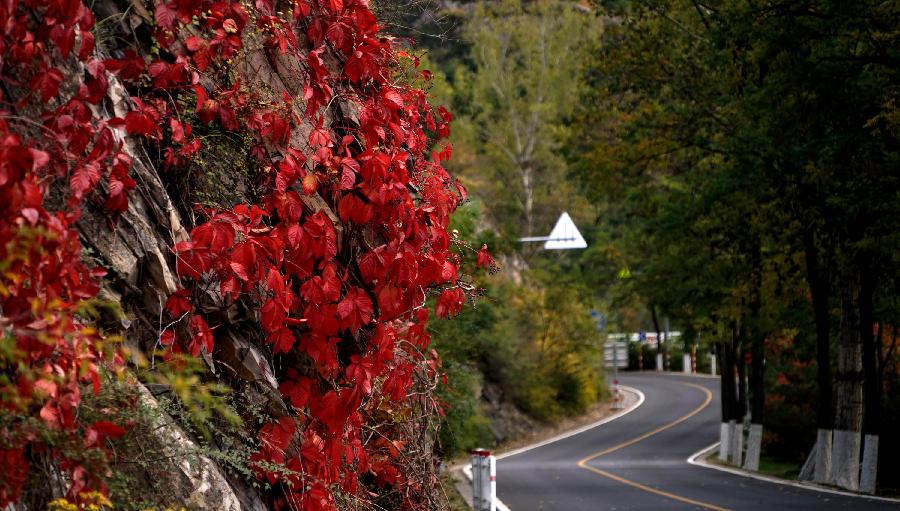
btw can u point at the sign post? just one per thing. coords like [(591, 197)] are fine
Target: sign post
[(617, 403), (615, 355)]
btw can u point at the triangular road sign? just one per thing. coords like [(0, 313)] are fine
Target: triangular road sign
[(565, 235)]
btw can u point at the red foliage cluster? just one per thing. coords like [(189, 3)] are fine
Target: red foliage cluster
[(318, 282), (49, 354)]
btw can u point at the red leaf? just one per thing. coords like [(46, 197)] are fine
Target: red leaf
[(450, 302), (322, 288), (289, 206), (108, 429), (390, 301), (167, 338), (282, 340), (331, 410), (195, 43), (322, 319), (179, 303), (340, 35), (352, 208), (50, 415), (191, 262), (321, 231), (84, 179), (278, 435), (298, 390), (202, 336), (87, 45), (117, 201), (393, 99), (166, 15), (484, 258), (129, 67), (243, 261), (272, 315), (136, 123), (360, 372), (355, 310), (64, 38), (310, 183), (47, 82), (214, 235), (320, 137)]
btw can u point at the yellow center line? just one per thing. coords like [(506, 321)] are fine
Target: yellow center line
[(583, 463)]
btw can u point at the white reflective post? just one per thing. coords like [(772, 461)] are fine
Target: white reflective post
[(484, 480)]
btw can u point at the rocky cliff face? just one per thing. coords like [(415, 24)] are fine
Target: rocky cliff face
[(220, 108)]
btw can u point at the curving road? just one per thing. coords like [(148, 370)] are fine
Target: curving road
[(638, 462)]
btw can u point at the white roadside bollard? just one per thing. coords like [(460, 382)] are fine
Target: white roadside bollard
[(484, 480)]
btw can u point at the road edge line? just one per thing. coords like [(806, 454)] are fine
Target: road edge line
[(696, 459), (581, 429)]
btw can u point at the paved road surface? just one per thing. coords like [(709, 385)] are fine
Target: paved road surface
[(637, 463)]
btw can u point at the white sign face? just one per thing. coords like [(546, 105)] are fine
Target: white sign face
[(565, 235)]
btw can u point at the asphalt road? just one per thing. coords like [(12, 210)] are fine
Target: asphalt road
[(638, 462)]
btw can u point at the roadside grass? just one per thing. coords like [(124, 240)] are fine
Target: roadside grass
[(455, 501), (779, 468), (768, 466)]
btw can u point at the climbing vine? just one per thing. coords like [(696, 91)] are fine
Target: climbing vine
[(336, 260)]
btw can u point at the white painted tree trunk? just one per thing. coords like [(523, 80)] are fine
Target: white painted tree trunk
[(845, 456), (724, 441), (737, 443), (686, 363), (659, 362), (869, 472), (712, 365), (822, 473), (809, 466), (754, 447), (849, 398)]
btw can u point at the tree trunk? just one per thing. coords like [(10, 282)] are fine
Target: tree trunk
[(741, 405), (528, 191), (757, 402), (757, 365), (849, 391), (660, 347), (871, 383), (820, 288), (726, 380), (740, 408)]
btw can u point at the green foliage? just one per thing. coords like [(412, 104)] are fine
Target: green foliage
[(534, 340), (514, 98), (726, 146)]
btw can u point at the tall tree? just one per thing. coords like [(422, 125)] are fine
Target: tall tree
[(525, 83)]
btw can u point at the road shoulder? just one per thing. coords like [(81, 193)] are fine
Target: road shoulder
[(699, 459)]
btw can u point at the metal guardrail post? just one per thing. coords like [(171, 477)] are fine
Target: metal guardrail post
[(484, 480)]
